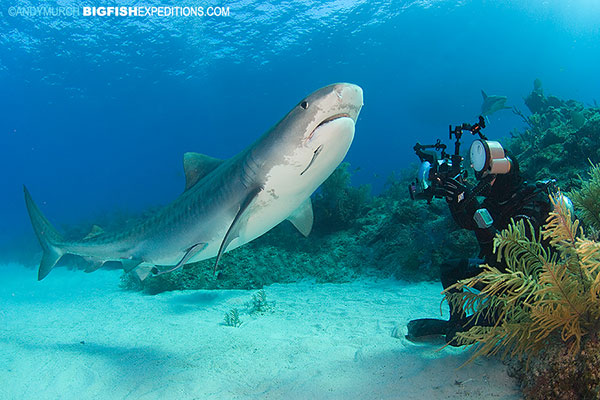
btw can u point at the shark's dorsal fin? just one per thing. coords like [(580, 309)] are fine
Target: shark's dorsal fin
[(196, 166), (485, 96), (302, 218), (96, 231), (233, 230), (189, 253)]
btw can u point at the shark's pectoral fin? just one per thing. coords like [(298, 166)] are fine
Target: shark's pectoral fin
[(191, 252), (303, 217), (233, 231), (197, 166), (129, 264), (485, 96)]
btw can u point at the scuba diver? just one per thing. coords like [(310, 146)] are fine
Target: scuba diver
[(504, 195)]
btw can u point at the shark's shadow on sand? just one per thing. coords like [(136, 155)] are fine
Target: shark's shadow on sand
[(137, 368), (184, 303)]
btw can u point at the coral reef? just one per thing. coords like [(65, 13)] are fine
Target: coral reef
[(560, 137), (559, 374), (585, 199), (337, 205), (410, 239)]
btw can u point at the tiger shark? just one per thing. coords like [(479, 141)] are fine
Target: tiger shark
[(226, 203), (491, 104)]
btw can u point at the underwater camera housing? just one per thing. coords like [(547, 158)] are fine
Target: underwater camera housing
[(437, 166), (434, 170)]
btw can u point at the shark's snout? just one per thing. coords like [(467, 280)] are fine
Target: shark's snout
[(350, 99), (337, 101)]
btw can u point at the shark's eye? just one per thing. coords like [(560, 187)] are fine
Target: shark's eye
[(304, 104)]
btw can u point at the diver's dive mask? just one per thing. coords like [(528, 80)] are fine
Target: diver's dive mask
[(488, 158)]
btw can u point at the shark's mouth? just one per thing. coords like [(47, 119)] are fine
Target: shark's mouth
[(328, 120), (320, 147)]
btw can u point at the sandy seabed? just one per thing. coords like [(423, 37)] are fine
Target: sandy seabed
[(78, 336)]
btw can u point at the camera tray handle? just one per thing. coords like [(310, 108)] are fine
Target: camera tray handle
[(430, 156), (475, 129)]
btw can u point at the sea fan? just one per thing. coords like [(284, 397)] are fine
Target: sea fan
[(546, 289)]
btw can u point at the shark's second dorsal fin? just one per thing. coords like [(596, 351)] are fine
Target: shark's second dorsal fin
[(485, 96), (96, 231), (196, 166)]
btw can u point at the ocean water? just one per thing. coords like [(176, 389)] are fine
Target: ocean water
[(96, 112)]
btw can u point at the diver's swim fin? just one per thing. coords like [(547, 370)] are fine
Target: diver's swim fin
[(418, 328)]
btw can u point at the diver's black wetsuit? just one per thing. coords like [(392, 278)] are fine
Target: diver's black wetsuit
[(506, 197)]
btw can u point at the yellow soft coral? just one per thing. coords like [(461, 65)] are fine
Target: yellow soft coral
[(586, 198), (545, 289)]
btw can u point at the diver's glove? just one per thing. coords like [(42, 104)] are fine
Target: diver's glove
[(461, 201), (454, 191)]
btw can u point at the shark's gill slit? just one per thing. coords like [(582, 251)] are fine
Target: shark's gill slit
[(315, 154)]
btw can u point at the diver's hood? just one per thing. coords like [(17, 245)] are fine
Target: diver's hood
[(506, 185)]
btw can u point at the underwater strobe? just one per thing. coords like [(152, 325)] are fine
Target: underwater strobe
[(488, 157)]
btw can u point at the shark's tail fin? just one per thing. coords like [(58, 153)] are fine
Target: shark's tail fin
[(48, 237)]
